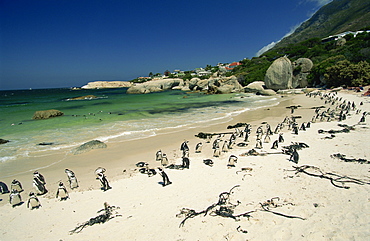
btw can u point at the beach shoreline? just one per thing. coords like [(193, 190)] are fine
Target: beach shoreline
[(146, 205)]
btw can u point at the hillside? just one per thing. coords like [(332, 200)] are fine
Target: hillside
[(334, 18)]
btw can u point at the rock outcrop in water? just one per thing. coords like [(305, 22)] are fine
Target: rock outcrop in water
[(86, 97), (46, 114), (2, 141), (213, 85), (88, 146), (107, 84)]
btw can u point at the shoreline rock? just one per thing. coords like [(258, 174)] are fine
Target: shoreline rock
[(107, 84), (88, 146), (46, 114)]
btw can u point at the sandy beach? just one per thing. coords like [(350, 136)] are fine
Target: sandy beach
[(279, 202)]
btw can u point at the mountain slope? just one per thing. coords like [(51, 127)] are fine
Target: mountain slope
[(336, 17)]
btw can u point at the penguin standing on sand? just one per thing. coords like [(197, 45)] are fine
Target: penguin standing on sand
[(73, 183), (102, 178), (166, 180), (294, 157), (62, 192), (281, 138), (184, 146), (198, 147), (275, 145), (225, 147), (158, 156), (33, 202), (232, 160), (39, 183), (164, 161), (185, 162), (15, 198), (16, 185), (3, 188)]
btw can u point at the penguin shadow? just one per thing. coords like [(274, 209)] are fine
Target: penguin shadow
[(18, 204), (163, 185), (105, 189)]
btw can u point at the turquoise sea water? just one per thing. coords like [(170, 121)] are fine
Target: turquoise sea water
[(113, 117)]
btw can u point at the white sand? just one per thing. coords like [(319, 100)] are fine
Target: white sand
[(149, 210)]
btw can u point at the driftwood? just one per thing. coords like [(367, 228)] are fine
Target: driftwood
[(225, 208), (343, 158), (335, 179), (102, 218)]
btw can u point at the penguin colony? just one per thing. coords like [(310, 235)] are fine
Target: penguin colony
[(223, 143)]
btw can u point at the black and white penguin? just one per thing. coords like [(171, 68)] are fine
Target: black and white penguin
[(39, 183), (184, 146), (216, 152), (3, 188), (62, 192), (275, 145), (294, 157), (267, 138), (232, 160), (73, 183), (164, 161), (33, 202), (208, 162), (166, 180), (16, 185), (259, 144), (198, 147), (185, 153), (158, 156), (225, 147), (15, 198), (103, 180), (281, 138), (185, 162)]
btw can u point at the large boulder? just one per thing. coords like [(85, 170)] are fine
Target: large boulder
[(46, 114), (267, 92), (155, 86), (279, 74), (254, 87), (94, 144), (301, 69)]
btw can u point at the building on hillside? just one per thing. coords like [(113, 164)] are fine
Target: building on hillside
[(232, 66)]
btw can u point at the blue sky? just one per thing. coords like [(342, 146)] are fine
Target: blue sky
[(66, 43)]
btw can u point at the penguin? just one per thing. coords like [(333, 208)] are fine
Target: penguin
[(225, 147), (62, 192), (3, 188), (164, 161), (216, 152), (362, 120), (185, 153), (267, 138), (99, 170), (275, 145), (15, 198), (40, 177), (198, 147), (216, 143), (185, 162), (16, 185), (303, 127), (158, 156), (103, 181), (166, 180), (281, 138), (40, 187), (33, 202), (208, 162), (259, 144), (184, 146), (246, 136), (232, 160), (73, 183), (294, 157)]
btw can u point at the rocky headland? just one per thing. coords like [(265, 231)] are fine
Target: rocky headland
[(106, 84)]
